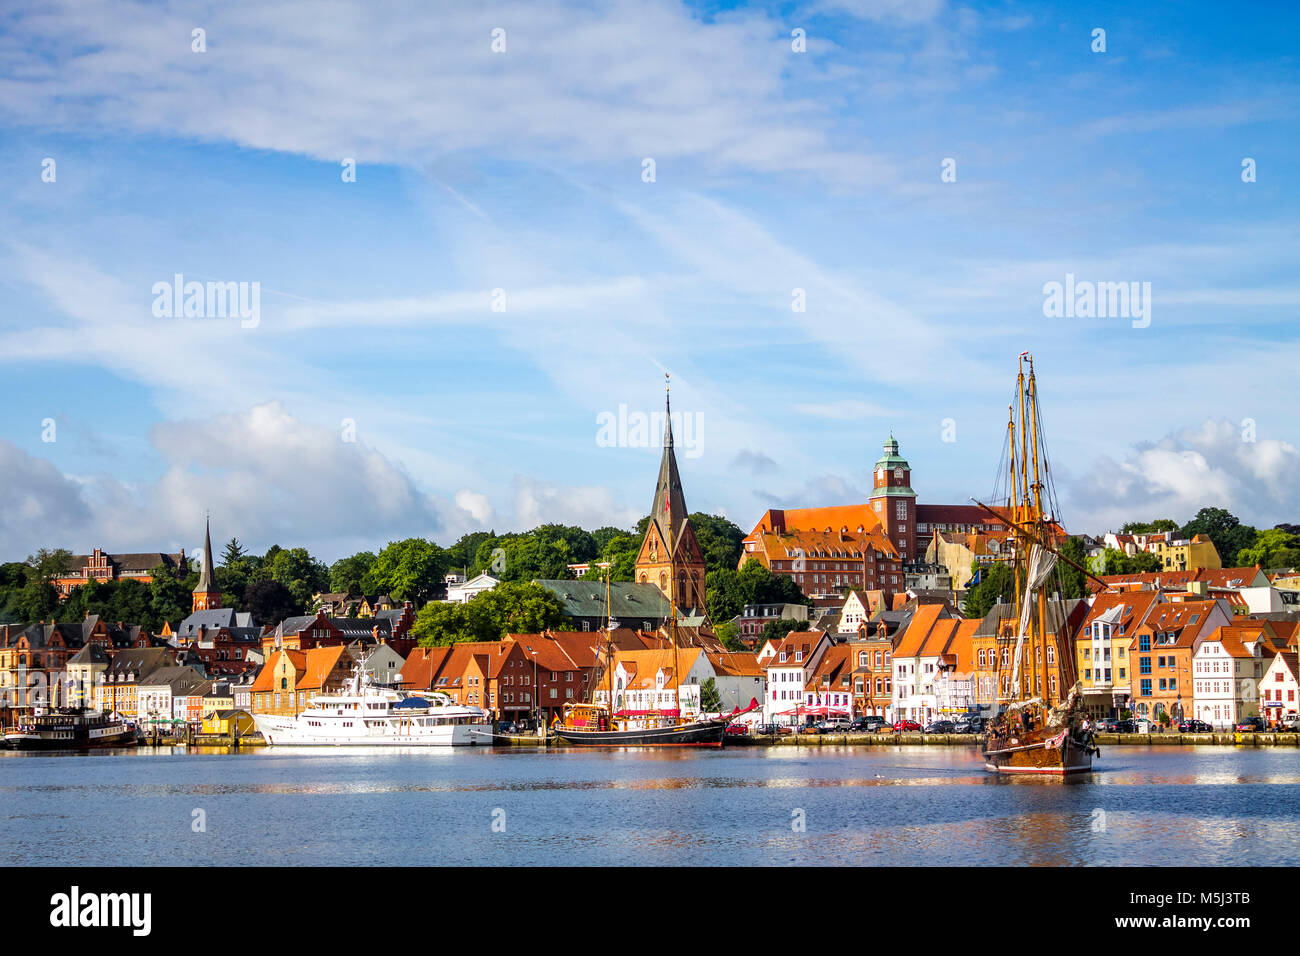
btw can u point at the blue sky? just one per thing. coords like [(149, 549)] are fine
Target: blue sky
[(522, 171)]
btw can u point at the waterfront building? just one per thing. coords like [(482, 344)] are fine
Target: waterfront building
[(873, 675), (1102, 649), (118, 685), (1278, 688), (933, 672), (290, 678), (1161, 651), (789, 667), (157, 692), (829, 693), (1227, 668)]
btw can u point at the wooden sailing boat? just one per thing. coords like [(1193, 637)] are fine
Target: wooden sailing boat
[(1039, 726), (598, 724)]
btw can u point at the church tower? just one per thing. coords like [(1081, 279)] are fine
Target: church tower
[(682, 578), (894, 501), (206, 595)]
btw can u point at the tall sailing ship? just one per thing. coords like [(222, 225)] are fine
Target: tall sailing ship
[(603, 723), (1040, 724)]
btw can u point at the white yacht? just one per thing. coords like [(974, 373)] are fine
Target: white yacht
[(367, 715)]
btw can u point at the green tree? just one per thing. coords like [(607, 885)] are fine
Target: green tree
[(777, 629), (710, 699), (347, 574), (1074, 584), (232, 553), (39, 599), (1229, 535), (510, 608), (997, 583), (1274, 548), (1149, 527), (727, 591), (413, 569), (729, 635), (719, 540), (169, 598), (297, 570), (1113, 561), (270, 602)]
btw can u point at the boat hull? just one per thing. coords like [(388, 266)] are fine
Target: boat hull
[(705, 734), (1042, 754), (80, 740), (289, 732)]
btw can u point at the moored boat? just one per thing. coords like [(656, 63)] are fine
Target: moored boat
[(1039, 727), (71, 729), (368, 715)]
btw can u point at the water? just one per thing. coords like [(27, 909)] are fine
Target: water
[(900, 805)]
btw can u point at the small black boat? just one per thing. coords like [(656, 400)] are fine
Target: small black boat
[(70, 729)]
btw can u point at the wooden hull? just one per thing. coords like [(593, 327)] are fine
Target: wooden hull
[(1039, 753), (707, 734)]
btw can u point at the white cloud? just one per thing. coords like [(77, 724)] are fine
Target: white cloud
[(538, 502), (616, 81), (476, 505), (1211, 465)]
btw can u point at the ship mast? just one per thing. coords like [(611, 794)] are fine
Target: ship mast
[(672, 558)]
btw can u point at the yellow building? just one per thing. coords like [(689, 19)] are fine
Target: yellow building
[(1186, 555), (226, 723)]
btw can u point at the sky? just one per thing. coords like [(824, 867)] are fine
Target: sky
[(827, 221)]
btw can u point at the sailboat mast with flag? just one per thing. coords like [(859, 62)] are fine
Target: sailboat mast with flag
[(608, 723)]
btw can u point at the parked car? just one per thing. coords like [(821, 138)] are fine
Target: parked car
[(906, 725), (1290, 722), (868, 724), (941, 727), (772, 729), (737, 730), (968, 725), (1250, 725), (1194, 727), (833, 725)]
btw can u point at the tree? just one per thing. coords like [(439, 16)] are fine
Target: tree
[(1149, 527), (1275, 548), (39, 599), (270, 602), (1227, 532), (232, 553), (1113, 561), (996, 584), (1074, 584), (710, 699), (777, 629), (169, 598), (728, 591), (297, 570), (510, 608), (413, 569), (719, 540), (347, 574), (729, 635)]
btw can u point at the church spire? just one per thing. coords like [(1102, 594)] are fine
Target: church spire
[(206, 596), (670, 503)]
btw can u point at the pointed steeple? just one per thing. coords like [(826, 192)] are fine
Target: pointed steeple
[(206, 596), (205, 575), (669, 500)]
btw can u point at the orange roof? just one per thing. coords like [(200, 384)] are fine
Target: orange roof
[(736, 664), (795, 641), (320, 663), (918, 628), (266, 677)]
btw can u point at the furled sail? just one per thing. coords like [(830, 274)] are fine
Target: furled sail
[(1041, 563)]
